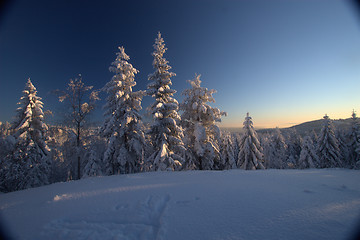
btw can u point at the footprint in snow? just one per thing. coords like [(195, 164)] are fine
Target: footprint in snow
[(142, 220)]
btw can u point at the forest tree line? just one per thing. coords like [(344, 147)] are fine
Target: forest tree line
[(181, 136)]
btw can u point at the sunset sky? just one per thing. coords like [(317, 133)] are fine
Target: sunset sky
[(284, 61)]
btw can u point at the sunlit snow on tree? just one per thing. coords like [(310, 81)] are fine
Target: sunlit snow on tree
[(328, 146), (202, 135), (27, 165), (123, 127), (165, 134), (250, 155)]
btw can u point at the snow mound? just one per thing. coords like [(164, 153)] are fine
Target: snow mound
[(235, 204)]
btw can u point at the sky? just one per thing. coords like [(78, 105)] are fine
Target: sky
[(283, 61)]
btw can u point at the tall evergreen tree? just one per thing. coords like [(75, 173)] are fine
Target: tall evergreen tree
[(202, 136), (354, 140), (250, 155), (28, 164), (165, 134), (328, 146), (308, 157), (293, 142), (123, 127), (344, 150), (277, 153), (227, 152)]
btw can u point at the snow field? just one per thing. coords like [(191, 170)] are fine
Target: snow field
[(234, 204)]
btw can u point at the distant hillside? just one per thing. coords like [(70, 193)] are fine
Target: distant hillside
[(315, 125)]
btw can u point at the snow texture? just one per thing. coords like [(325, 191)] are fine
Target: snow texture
[(234, 204)]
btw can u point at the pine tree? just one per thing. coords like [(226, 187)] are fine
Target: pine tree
[(93, 165), (314, 136), (328, 146), (354, 141), (250, 155), (202, 136), (123, 127), (28, 164), (277, 150), (308, 157), (227, 152), (344, 150), (235, 138), (165, 134), (293, 142)]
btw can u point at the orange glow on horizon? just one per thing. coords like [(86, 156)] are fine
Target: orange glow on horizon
[(264, 121)]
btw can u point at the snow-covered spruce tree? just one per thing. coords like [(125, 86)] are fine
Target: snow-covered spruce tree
[(28, 164), (165, 134), (235, 138), (93, 165), (293, 141), (328, 146), (314, 136), (265, 142), (308, 157), (277, 150), (344, 151), (202, 136), (250, 155), (227, 151), (123, 127), (354, 141), (6, 141), (79, 111), (5, 129)]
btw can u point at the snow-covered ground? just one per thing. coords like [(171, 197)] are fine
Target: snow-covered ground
[(236, 204)]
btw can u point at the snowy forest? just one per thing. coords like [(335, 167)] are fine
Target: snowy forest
[(181, 136)]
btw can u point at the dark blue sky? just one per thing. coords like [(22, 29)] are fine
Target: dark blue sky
[(283, 61)]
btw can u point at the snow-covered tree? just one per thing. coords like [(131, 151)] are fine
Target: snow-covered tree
[(328, 146), (5, 129), (123, 127), (28, 124), (165, 134), (277, 151), (354, 141), (250, 155), (227, 152), (79, 111), (60, 156), (5, 141), (93, 165), (28, 165), (314, 136), (344, 150), (202, 136), (235, 138), (308, 157), (293, 142)]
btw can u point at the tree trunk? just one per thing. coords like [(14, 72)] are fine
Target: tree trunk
[(78, 150)]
